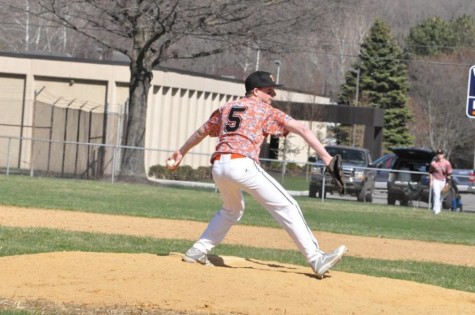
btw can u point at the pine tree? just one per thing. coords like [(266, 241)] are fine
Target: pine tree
[(435, 36), (383, 84)]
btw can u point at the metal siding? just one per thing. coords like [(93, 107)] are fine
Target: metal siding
[(179, 102), (164, 128)]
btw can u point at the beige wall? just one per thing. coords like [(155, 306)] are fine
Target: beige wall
[(178, 103), (11, 109)]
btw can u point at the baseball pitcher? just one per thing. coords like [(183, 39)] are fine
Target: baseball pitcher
[(241, 127)]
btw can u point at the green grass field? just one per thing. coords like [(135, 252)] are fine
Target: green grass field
[(177, 203)]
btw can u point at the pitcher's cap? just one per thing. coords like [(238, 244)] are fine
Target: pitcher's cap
[(260, 79)]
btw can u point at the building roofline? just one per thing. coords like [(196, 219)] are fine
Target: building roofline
[(66, 58)]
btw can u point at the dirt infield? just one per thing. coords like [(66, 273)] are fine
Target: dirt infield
[(100, 283)]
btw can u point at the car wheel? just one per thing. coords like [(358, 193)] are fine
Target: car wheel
[(447, 201), (312, 190), (360, 196), (369, 196), (365, 195), (445, 205), (391, 200), (320, 193)]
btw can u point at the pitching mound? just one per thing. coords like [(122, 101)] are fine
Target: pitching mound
[(103, 283), (95, 281)]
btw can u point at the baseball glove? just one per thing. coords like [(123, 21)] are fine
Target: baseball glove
[(446, 189), (335, 169)]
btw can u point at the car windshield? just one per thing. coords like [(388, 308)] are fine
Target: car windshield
[(385, 161), (413, 166), (349, 155)]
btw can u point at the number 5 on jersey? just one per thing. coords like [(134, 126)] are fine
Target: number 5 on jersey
[(234, 119)]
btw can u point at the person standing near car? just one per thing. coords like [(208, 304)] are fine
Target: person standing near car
[(440, 173)]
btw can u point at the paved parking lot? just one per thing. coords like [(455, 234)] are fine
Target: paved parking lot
[(381, 197)]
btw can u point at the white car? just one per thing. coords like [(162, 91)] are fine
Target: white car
[(464, 179)]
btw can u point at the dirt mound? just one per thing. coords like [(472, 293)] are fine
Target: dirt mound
[(100, 283)]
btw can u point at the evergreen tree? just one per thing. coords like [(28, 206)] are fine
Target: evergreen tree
[(383, 84), (436, 36), (464, 29), (433, 36)]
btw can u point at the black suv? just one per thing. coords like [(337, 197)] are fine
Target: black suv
[(410, 179), (357, 174)]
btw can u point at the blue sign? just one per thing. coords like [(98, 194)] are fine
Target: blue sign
[(471, 93)]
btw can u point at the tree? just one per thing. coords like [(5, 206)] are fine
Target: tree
[(464, 30), (23, 31), (433, 36), (440, 90), (441, 93), (383, 83), (335, 45), (151, 31), (436, 36), (438, 71)]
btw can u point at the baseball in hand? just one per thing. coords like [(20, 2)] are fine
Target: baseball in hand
[(170, 164)]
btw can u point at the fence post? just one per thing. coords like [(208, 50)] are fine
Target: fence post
[(114, 153), (323, 187), (8, 155), (430, 196)]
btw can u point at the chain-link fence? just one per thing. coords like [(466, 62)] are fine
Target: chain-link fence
[(69, 159), (398, 187), (55, 158)]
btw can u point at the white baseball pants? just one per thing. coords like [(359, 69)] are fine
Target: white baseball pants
[(233, 175), (437, 186)]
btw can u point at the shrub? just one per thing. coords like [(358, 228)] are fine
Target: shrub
[(185, 173)]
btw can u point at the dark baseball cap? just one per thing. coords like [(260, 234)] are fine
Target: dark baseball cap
[(440, 151), (260, 79)]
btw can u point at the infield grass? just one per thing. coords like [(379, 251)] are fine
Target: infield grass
[(200, 205), (344, 217)]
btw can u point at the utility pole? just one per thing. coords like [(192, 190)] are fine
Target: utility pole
[(278, 63), (284, 149), (258, 56), (356, 102)]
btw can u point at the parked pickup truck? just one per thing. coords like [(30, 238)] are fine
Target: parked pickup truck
[(358, 174)]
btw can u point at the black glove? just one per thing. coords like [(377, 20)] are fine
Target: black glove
[(335, 169)]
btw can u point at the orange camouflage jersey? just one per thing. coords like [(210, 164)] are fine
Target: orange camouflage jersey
[(243, 125)]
